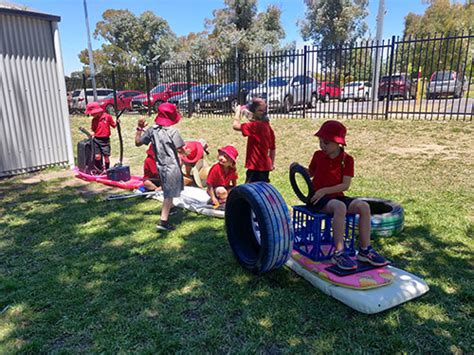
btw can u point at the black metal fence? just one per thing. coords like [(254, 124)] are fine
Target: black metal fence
[(403, 78)]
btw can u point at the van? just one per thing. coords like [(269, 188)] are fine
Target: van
[(79, 101)]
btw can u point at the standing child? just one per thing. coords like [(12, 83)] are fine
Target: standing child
[(101, 123), (166, 142), (223, 175), (260, 157), (332, 170)]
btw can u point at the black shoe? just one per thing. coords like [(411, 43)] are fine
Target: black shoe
[(165, 226)]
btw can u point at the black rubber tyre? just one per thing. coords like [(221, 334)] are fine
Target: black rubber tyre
[(296, 168), (387, 217), (274, 227)]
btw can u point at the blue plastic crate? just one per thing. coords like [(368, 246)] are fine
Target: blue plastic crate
[(313, 233)]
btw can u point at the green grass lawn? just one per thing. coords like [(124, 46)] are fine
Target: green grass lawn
[(79, 274)]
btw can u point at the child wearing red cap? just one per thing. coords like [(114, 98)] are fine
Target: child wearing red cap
[(223, 175), (332, 170), (167, 143), (260, 157), (196, 151), (100, 125)]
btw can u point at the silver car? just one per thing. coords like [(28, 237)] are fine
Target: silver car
[(444, 83), (285, 92), (357, 90), (78, 97)]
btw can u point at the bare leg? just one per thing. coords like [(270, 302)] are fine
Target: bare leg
[(338, 209), (150, 186), (362, 208), (165, 210)]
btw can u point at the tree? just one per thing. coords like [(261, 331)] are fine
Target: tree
[(442, 18), (329, 23), (143, 38)]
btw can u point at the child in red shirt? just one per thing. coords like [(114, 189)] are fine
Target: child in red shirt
[(196, 150), (151, 178), (101, 123), (222, 176), (332, 170), (260, 157)]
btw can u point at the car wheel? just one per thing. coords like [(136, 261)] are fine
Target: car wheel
[(380, 98), (457, 95), (314, 100), (233, 104), (197, 107), (366, 97), (287, 105), (110, 109), (327, 97)]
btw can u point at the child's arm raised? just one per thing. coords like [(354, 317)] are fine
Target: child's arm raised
[(236, 125), (141, 124)]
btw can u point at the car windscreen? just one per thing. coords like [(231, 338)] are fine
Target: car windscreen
[(392, 78), (227, 88), (278, 81), (442, 76), (110, 96), (159, 88)]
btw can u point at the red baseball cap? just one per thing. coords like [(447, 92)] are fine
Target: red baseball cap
[(196, 152), (333, 131), (230, 151), (167, 115), (93, 108)]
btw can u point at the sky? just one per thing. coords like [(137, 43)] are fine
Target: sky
[(186, 16)]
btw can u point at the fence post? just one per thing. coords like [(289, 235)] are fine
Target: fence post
[(115, 91), (305, 84), (85, 87), (390, 72), (147, 83), (237, 71), (188, 79)]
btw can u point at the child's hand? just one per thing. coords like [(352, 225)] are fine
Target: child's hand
[(142, 123), (317, 196), (215, 202), (118, 120)]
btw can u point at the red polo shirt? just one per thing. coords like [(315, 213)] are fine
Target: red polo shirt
[(101, 125), (218, 176), (328, 172), (150, 171), (261, 139)]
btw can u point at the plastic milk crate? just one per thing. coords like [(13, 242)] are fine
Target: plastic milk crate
[(313, 233)]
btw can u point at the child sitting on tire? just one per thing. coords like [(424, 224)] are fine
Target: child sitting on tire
[(222, 176), (332, 170)]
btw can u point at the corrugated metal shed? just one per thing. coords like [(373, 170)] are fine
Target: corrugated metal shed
[(34, 119)]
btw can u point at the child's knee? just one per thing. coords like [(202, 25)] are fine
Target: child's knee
[(339, 209), (362, 207), (98, 157)]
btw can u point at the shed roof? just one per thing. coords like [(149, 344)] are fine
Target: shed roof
[(10, 8)]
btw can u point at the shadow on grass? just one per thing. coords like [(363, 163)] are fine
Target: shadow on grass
[(84, 275)]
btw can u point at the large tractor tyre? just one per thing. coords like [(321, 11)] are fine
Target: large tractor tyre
[(266, 246), (387, 217), (297, 169)]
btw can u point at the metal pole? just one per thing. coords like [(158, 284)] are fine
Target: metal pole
[(91, 59), (378, 51)]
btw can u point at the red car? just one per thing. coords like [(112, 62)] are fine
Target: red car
[(327, 90), (159, 94), (124, 99)]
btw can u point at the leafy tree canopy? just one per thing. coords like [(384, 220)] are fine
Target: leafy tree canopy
[(332, 22)]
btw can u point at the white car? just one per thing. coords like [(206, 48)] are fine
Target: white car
[(285, 92), (356, 90), (78, 97)]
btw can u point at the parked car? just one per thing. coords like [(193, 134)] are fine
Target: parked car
[(400, 86), (325, 90), (285, 92), (357, 90), (124, 99), (226, 98), (444, 83), (197, 92), (159, 94), (79, 101)]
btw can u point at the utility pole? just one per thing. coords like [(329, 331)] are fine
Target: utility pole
[(378, 51), (91, 59)]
